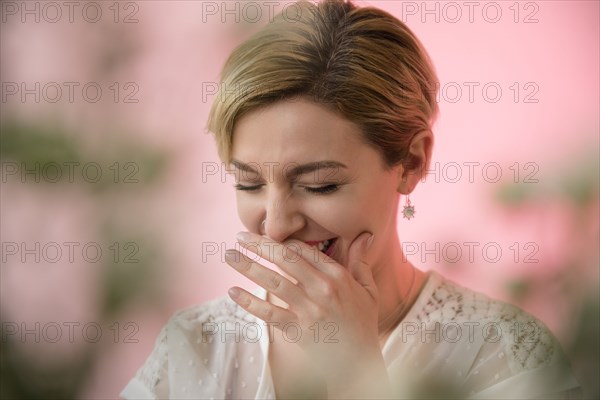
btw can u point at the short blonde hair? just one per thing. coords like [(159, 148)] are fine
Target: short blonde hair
[(363, 63)]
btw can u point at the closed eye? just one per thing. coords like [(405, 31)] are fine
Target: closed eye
[(322, 189), (247, 188), (316, 190)]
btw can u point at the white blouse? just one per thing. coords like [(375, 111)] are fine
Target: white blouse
[(457, 341)]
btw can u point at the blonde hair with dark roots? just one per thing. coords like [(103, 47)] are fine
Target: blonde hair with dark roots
[(361, 62)]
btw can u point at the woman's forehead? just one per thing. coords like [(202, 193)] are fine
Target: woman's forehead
[(294, 127), (296, 114)]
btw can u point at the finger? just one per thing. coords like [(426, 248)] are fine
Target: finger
[(270, 280), (261, 309), (358, 264), (284, 256)]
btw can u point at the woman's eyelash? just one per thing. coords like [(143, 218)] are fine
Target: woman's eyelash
[(317, 190), (248, 188), (322, 189)]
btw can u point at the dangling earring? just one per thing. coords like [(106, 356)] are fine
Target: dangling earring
[(409, 210)]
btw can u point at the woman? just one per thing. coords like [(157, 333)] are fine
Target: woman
[(326, 119)]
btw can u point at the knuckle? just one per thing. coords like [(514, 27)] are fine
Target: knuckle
[(270, 250), (275, 282), (329, 289), (318, 313), (268, 314), (338, 273), (279, 255), (246, 266), (245, 301)]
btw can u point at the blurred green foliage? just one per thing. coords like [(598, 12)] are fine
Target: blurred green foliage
[(133, 276), (577, 182), (122, 160), (30, 144)]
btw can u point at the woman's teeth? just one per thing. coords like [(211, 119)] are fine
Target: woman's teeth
[(323, 246)]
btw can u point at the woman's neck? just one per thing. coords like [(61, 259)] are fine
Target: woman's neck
[(399, 284)]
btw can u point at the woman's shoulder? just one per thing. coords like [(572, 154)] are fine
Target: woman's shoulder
[(526, 338), (217, 310), (483, 346), (218, 322), (448, 301), (193, 349)]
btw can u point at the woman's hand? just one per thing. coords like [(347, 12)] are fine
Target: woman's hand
[(333, 308)]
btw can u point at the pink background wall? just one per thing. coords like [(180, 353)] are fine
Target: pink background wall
[(549, 51)]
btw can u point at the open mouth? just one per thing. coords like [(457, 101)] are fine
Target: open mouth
[(327, 246)]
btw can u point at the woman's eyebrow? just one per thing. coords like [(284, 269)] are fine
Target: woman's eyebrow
[(292, 172)]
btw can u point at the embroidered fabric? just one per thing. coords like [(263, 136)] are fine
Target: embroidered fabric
[(453, 342)]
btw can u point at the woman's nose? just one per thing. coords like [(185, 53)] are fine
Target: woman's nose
[(282, 217)]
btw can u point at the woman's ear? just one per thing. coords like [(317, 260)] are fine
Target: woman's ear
[(415, 166)]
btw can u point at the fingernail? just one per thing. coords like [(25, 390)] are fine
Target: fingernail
[(232, 255), (234, 293), (243, 236), (370, 241)]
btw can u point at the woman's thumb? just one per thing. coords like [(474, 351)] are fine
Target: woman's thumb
[(358, 260)]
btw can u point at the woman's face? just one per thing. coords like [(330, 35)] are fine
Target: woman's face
[(305, 171)]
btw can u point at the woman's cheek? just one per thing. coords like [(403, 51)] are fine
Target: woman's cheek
[(333, 215), (347, 220)]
